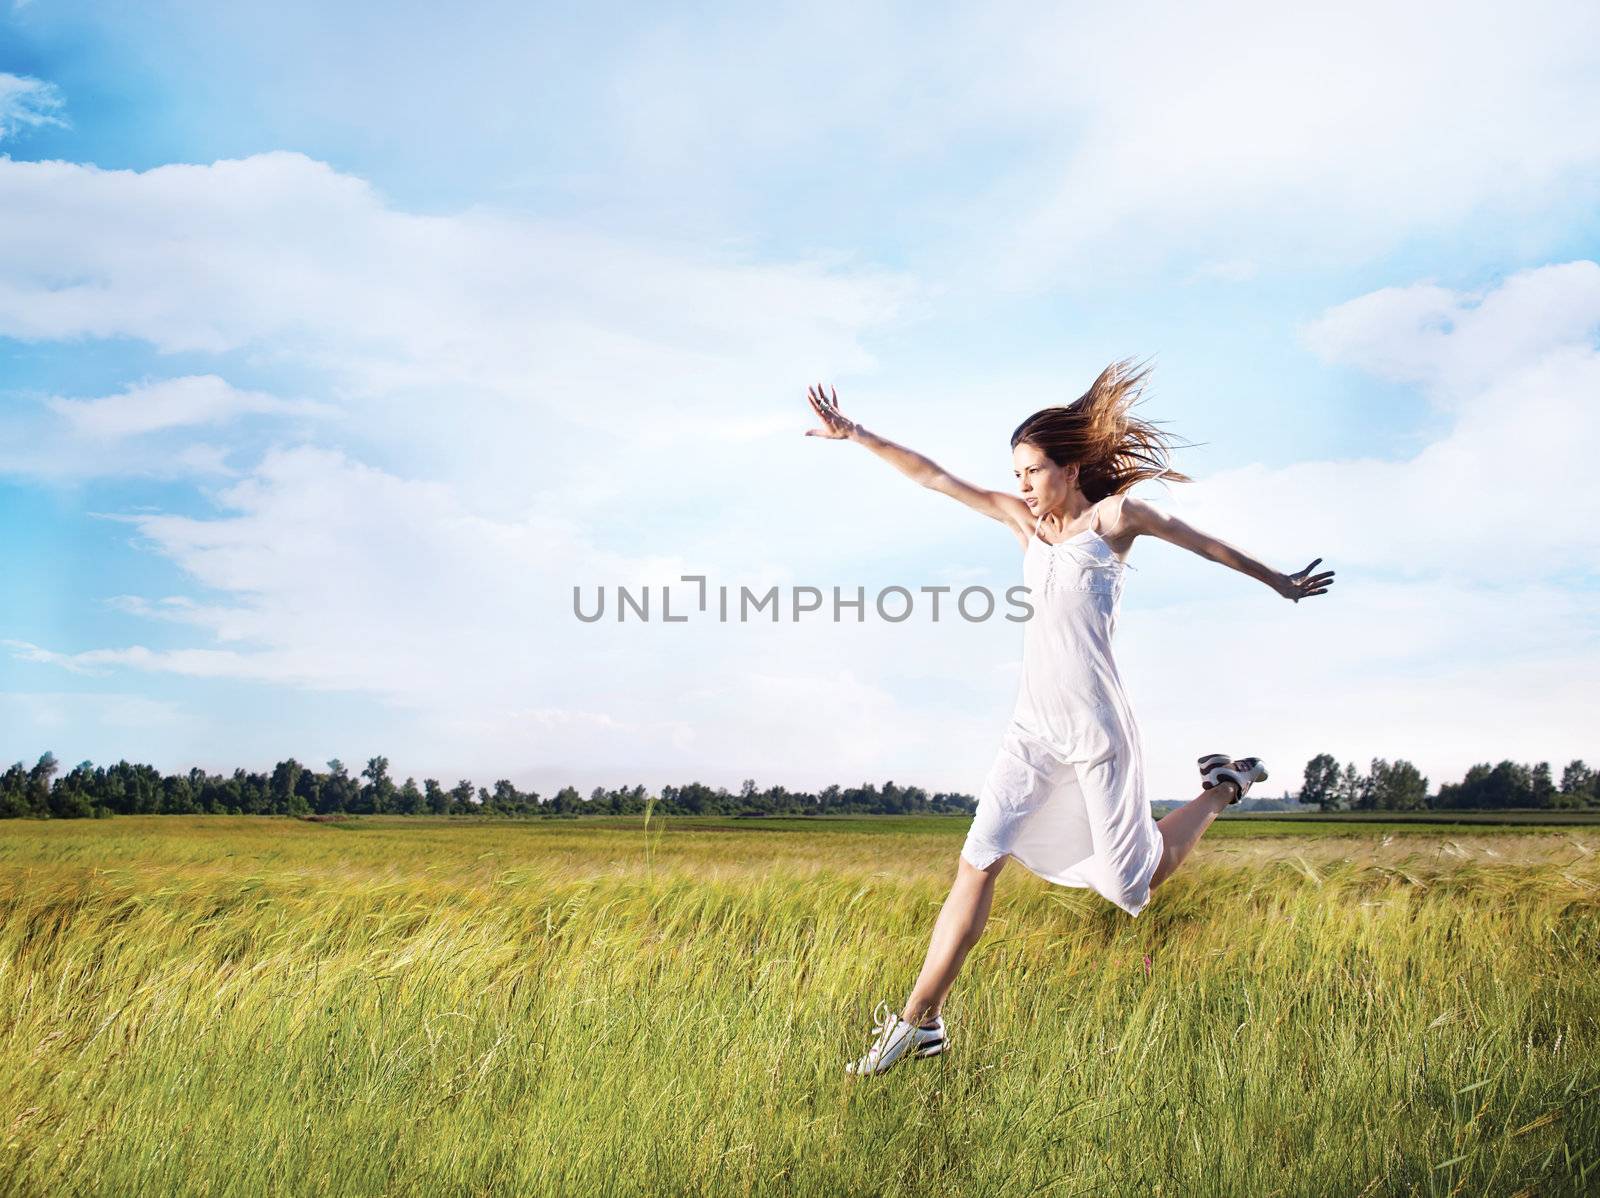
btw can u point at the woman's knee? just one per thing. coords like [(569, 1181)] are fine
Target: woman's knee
[(972, 893)]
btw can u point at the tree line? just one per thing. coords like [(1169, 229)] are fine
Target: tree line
[(89, 791), (1398, 786)]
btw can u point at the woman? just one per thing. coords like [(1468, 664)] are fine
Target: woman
[(1065, 796)]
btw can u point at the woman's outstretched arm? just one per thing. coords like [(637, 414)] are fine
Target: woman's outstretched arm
[(1140, 517), (997, 505)]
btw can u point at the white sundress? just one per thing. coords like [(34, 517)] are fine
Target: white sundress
[(1065, 796)]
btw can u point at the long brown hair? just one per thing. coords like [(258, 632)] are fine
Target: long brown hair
[(1113, 449)]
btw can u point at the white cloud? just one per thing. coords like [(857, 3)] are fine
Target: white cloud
[(1441, 673), (1504, 493), (577, 402), (143, 431), (1235, 139), (543, 377), (173, 403), (45, 452), (1448, 637), (280, 251), (508, 348), (1462, 624), (1252, 133), (329, 575), (55, 716), (1457, 344), (28, 103)]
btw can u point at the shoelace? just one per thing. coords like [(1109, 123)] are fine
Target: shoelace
[(884, 1022), (883, 1015)]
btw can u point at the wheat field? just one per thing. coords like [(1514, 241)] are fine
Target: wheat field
[(247, 1006)]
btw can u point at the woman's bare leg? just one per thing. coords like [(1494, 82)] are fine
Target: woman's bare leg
[(965, 912), (1182, 828), (960, 924)]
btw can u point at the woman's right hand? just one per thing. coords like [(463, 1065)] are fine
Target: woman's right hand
[(835, 425)]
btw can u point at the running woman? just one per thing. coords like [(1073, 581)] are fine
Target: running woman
[(1065, 796)]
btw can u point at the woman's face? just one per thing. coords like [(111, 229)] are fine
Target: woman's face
[(1044, 485)]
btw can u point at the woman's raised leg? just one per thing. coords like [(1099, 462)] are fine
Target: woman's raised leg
[(960, 924), (1182, 828), (966, 910)]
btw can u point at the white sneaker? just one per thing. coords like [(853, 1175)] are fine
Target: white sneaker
[(1215, 768), (895, 1038)]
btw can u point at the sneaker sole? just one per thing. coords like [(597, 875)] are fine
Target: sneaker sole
[(927, 1050), (1256, 773)]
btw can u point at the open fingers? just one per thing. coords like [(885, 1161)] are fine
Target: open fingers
[(828, 426), (825, 402), (829, 415)]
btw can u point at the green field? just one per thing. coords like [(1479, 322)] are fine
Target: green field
[(245, 1006)]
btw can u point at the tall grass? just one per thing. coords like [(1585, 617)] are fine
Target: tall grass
[(243, 1006)]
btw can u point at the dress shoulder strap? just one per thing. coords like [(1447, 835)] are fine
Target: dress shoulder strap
[(1099, 514)]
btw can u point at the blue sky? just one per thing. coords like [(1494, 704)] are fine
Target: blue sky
[(336, 346)]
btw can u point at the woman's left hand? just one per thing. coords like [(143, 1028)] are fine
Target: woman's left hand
[(836, 426), (1302, 583)]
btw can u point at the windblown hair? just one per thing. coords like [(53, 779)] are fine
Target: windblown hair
[(1113, 450)]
